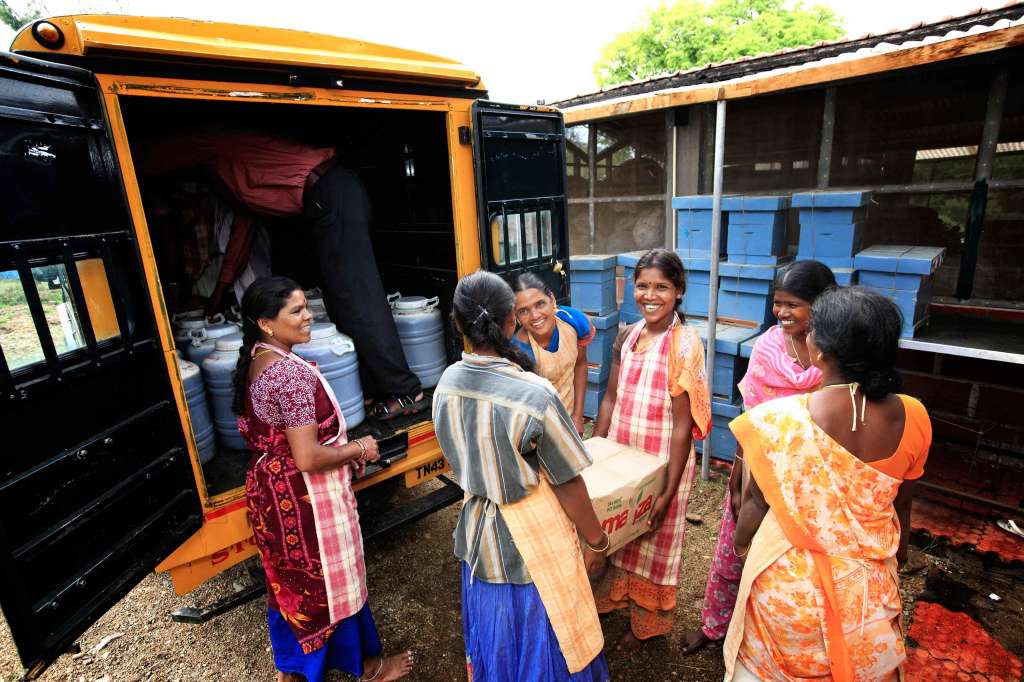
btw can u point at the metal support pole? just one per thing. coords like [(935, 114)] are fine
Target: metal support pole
[(670, 177), (592, 172), (716, 238), (828, 127)]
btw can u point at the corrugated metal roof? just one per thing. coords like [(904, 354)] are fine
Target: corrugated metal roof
[(787, 60)]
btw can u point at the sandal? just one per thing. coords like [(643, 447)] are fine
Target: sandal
[(405, 405), (1010, 526)]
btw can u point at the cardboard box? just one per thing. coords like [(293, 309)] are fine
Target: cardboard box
[(623, 483)]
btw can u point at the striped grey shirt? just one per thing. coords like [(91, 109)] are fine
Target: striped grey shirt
[(499, 426)]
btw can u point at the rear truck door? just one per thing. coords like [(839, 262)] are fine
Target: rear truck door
[(96, 484), (519, 152)]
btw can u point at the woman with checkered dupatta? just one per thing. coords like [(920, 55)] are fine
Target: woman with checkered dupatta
[(298, 490), (527, 606), (657, 400)]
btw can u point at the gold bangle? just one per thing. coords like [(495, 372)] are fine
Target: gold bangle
[(362, 449), (607, 543), (737, 554)]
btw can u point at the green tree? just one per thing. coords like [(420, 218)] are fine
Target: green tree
[(695, 33), (16, 19)]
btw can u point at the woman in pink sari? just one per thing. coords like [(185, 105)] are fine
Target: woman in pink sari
[(779, 366)]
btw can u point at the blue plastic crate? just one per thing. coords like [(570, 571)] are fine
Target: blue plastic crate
[(695, 201), (892, 281), (723, 443), (693, 233), (913, 305), (845, 277), (606, 327), (599, 262), (733, 269), (831, 262), (698, 289), (747, 347), (729, 369), (767, 238), (598, 374), (593, 398), (830, 240), (593, 291), (831, 216), (911, 260), (745, 300), (853, 199), (728, 337), (755, 203)]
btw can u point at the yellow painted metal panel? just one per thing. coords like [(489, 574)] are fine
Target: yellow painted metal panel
[(150, 37)]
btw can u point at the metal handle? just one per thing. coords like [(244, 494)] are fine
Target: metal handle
[(216, 319), (342, 347), (394, 297)]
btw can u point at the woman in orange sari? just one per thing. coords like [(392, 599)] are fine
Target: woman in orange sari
[(826, 515)]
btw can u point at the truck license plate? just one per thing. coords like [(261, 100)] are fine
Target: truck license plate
[(425, 472)]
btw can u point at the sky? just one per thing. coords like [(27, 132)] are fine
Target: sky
[(527, 50)]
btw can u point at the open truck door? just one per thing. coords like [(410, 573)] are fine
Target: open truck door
[(519, 153), (96, 482)]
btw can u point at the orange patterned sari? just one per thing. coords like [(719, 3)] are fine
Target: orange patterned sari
[(819, 597)]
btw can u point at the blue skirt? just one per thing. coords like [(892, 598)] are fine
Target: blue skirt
[(509, 637), (354, 640)]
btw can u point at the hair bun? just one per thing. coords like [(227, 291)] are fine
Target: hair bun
[(878, 383)]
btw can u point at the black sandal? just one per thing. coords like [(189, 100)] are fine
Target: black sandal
[(407, 404)]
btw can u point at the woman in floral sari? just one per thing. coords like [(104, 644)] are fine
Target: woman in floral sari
[(779, 366), (826, 514), (298, 489)]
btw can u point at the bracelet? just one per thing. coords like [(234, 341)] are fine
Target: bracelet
[(362, 449), (737, 554), (607, 543)]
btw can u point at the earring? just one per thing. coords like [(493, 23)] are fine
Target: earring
[(270, 333), (820, 356)]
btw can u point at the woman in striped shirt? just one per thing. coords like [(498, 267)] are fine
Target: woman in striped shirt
[(527, 608)]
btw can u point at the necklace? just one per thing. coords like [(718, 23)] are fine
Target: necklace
[(261, 351), (796, 354), (852, 388)]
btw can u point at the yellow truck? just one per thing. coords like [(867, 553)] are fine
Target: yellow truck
[(101, 482)]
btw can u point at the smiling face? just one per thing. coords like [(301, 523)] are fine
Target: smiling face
[(535, 311), (792, 312), (655, 295), (292, 323)]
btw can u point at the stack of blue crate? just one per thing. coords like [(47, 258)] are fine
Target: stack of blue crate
[(592, 289), (628, 313), (831, 230), (730, 366), (756, 229), (592, 283), (903, 274), (756, 250), (599, 360), (693, 245)]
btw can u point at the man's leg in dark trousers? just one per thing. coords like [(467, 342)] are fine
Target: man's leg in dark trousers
[(338, 209)]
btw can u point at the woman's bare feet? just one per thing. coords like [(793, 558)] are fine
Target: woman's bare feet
[(629, 643), (389, 669), (694, 641)]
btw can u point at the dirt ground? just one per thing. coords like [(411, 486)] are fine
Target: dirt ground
[(414, 593)]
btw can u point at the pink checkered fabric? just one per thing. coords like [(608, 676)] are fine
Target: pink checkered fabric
[(341, 541), (643, 419)]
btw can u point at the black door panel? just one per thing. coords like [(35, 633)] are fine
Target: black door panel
[(96, 486), (520, 164)]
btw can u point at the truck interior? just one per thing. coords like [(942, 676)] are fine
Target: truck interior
[(401, 157)]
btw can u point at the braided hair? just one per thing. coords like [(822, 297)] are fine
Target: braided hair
[(262, 300), (482, 303)]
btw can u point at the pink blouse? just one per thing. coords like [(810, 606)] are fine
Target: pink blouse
[(284, 395)]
